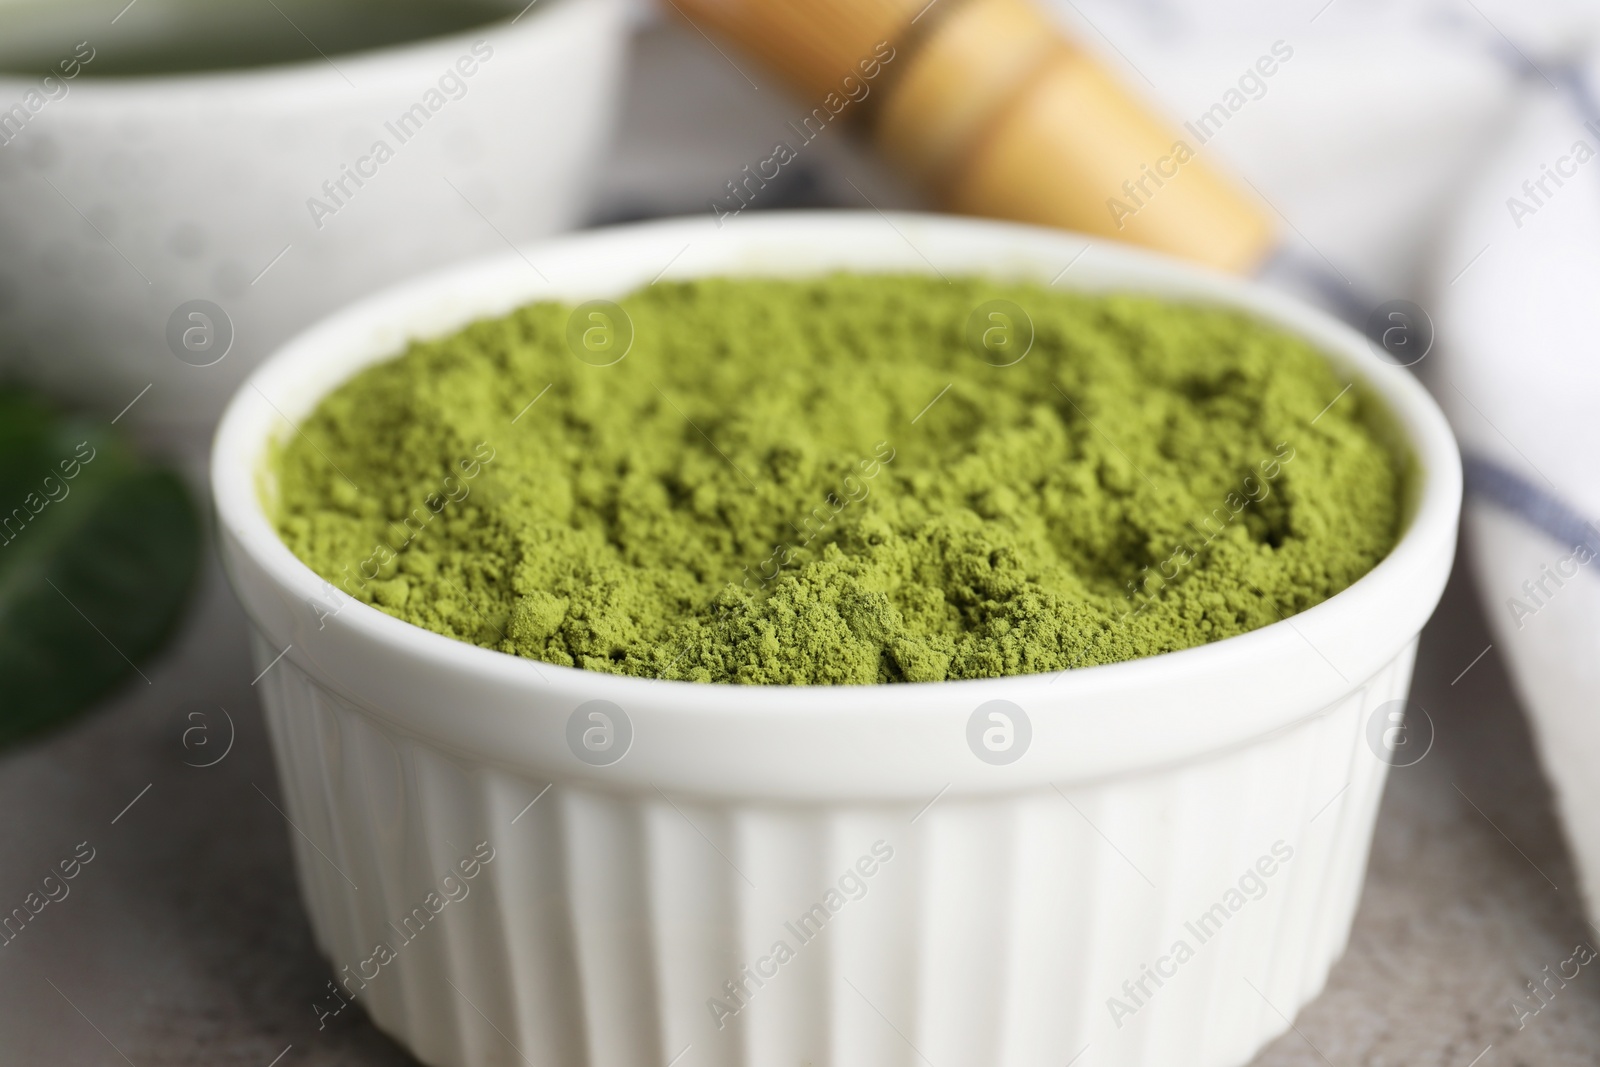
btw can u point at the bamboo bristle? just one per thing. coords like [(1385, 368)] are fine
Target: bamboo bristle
[(983, 54), (986, 104), (1076, 151), (811, 44)]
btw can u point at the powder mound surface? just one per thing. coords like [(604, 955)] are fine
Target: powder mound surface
[(850, 479)]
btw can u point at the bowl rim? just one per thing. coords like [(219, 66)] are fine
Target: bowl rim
[(381, 67), (1369, 623)]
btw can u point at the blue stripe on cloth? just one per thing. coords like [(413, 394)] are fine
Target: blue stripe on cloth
[(1536, 506)]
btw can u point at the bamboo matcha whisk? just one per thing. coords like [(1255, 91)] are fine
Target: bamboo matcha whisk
[(986, 105)]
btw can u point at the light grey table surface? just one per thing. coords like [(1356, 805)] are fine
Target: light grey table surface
[(183, 941)]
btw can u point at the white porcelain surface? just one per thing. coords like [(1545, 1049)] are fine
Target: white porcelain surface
[(1019, 898), (130, 196)]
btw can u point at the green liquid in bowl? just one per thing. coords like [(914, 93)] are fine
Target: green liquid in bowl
[(191, 36)]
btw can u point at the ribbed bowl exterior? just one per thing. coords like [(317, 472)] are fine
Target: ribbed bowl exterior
[(633, 928)]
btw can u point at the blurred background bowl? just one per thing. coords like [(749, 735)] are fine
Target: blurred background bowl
[(130, 203)]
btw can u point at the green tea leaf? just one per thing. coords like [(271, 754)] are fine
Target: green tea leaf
[(98, 552)]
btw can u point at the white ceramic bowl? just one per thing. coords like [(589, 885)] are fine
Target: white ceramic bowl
[(1018, 900), (191, 187)]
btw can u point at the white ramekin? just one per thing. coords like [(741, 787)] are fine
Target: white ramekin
[(200, 187), (1022, 902)]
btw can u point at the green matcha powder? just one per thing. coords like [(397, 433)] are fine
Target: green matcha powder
[(844, 480)]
